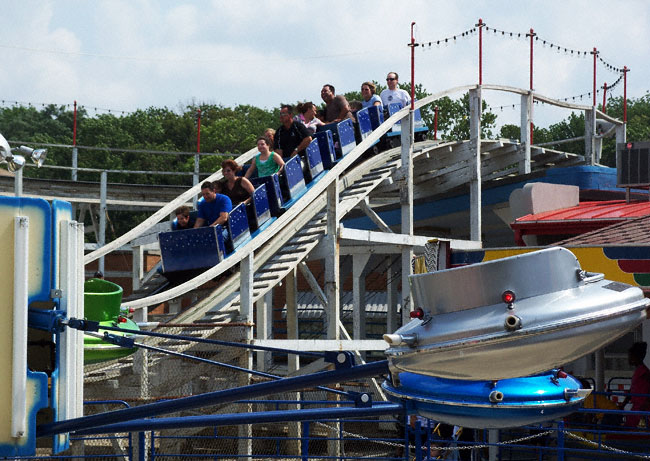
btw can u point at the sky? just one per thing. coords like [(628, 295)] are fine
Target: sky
[(124, 55)]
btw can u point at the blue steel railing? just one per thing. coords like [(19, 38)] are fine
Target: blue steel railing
[(572, 437), (89, 441)]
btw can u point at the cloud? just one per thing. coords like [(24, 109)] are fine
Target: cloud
[(140, 53)]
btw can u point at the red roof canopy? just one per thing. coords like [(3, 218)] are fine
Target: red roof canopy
[(576, 220)]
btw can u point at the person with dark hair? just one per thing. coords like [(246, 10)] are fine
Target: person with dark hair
[(368, 90), (337, 107), (213, 208), (292, 137), (640, 384), (266, 162), (394, 94), (184, 219), (236, 188), (307, 116)]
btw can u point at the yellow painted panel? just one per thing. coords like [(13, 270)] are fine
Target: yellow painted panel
[(38, 270), (591, 259)]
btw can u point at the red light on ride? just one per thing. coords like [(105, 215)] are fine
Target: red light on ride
[(121, 319), (417, 313), (561, 374), (508, 297)]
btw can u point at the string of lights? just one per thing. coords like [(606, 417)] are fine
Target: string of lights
[(505, 33), (452, 39), (520, 35), (447, 40), (610, 67), (578, 97), (8, 102), (559, 48)]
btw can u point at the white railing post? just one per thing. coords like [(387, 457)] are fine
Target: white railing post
[(406, 205), (264, 323), (72, 303), (102, 216), (359, 262), (332, 261), (19, 340), (75, 160), (526, 131), (590, 136), (475, 108), (245, 431), (18, 183), (195, 177)]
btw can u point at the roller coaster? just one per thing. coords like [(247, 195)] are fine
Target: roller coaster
[(288, 222)]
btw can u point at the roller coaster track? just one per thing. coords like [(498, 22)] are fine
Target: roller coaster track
[(281, 247)]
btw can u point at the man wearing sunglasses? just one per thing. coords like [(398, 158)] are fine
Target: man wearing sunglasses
[(394, 94)]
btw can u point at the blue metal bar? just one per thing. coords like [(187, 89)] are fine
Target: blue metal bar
[(229, 366), (560, 441), (234, 419), (212, 341), (214, 398), (142, 445), (304, 446)]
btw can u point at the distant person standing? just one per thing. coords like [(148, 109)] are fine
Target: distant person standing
[(394, 94), (640, 384)]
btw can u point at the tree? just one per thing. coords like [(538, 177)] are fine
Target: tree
[(638, 124), (454, 117), (638, 128)]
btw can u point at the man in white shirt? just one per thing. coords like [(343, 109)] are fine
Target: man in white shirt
[(394, 94)]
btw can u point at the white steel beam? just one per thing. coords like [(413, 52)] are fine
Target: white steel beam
[(332, 262), (475, 109), (526, 131), (19, 343), (315, 345)]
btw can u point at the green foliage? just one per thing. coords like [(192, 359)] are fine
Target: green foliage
[(454, 116), (638, 128), (638, 124), (223, 130), (571, 127)]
